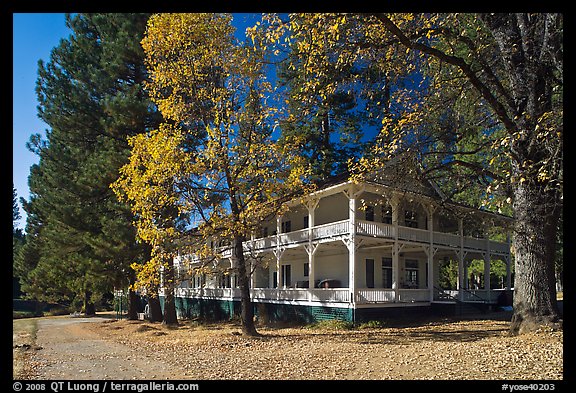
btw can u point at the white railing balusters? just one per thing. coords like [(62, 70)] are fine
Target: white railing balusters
[(371, 295), (373, 229)]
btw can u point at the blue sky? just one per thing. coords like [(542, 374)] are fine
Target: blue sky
[(34, 36)]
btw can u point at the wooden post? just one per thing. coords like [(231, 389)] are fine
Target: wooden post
[(395, 204), (278, 252), (352, 245), (461, 269), (311, 206), (431, 251)]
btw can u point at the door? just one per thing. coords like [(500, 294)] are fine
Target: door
[(386, 272)]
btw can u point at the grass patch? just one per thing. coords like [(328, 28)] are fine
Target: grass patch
[(331, 324), (25, 330), (340, 324), (25, 314), (372, 325), (23, 339)]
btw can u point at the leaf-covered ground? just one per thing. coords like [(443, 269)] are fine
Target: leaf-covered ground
[(433, 349)]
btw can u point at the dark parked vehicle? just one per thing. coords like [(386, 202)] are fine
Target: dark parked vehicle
[(304, 284), (329, 283)]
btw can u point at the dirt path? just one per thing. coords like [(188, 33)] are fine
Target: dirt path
[(66, 349)]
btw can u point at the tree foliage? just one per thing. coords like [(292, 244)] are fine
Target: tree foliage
[(80, 238), (487, 110), (214, 165), (475, 99)]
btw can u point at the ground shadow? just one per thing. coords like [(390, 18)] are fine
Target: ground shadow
[(403, 330)]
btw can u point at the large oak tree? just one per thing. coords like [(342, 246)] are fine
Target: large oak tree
[(484, 108)]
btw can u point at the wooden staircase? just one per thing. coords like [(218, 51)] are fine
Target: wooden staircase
[(445, 303)]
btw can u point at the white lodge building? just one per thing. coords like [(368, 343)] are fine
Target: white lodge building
[(357, 252)]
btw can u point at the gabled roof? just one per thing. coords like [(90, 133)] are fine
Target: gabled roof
[(404, 173)]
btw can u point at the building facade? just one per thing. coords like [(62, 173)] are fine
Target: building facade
[(356, 251)]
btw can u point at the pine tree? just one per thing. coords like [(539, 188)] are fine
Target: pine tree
[(326, 103), (18, 240), (91, 96)]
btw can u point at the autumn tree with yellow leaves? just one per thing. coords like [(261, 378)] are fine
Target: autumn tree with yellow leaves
[(475, 99), (212, 173), (484, 109)]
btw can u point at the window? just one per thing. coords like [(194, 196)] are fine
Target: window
[(370, 273), (306, 222), (286, 226), (225, 281), (411, 218), (369, 213), (197, 280), (306, 269), (411, 273), (264, 232), (386, 214), (386, 272), (286, 275)]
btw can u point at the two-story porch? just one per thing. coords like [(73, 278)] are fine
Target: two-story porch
[(356, 249)]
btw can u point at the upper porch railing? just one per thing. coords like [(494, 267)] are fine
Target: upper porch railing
[(327, 232)]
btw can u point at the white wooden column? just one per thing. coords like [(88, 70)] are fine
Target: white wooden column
[(508, 266), (395, 205), (352, 245), (461, 268), (278, 252), (431, 251), (311, 268), (311, 249), (352, 193)]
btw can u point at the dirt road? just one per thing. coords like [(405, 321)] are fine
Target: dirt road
[(65, 349)]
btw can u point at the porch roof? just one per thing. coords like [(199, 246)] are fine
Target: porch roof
[(383, 187)]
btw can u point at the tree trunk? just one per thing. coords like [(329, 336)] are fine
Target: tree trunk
[(89, 308), (246, 309), (133, 305), (537, 215), (170, 317), (154, 309)]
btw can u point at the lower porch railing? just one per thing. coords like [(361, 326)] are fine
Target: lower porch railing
[(337, 295)]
